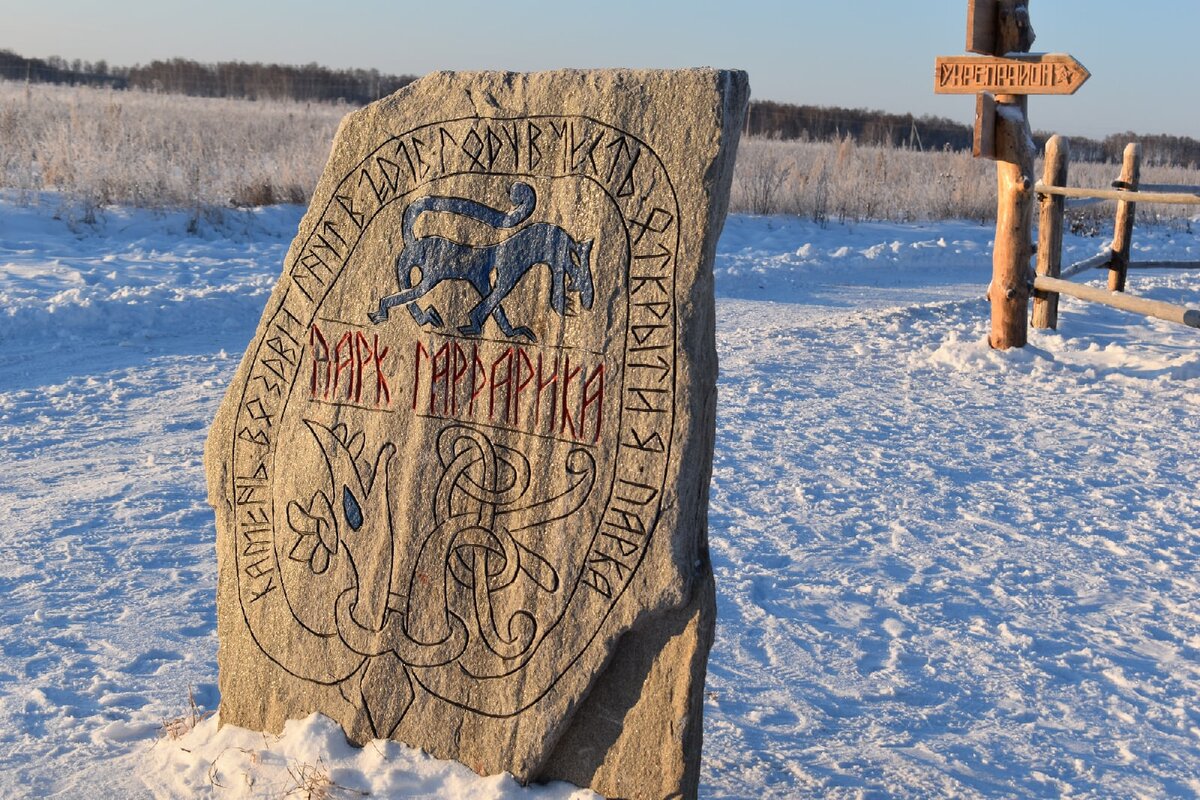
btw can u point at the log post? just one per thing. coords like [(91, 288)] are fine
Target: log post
[(1015, 152), (1014, 31), (1009, 292), (1050, 231), (1118, 268)]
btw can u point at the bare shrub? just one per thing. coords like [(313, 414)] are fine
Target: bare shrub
[(265, 192), (312, 782), (180, 726), (761, 172)]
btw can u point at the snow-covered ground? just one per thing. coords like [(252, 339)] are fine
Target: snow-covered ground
[(942, 571)]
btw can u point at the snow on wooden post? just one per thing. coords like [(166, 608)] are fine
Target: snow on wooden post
[(1118, 268), (1050, 226), (1001, 32)]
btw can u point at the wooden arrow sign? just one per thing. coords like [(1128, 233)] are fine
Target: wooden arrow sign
[(1033, 73)]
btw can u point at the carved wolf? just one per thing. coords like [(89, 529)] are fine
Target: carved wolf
[(441, 259)]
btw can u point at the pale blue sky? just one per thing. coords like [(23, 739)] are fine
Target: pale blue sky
[(855, 53)]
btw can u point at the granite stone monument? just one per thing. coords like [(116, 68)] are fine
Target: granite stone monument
[(461, 475)]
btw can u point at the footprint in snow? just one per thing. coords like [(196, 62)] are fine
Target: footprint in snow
[(151, 661)]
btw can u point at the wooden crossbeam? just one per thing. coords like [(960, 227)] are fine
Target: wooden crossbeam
[(1173, 198), (1138, 305)]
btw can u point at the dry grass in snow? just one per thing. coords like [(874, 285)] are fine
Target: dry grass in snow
[(843, 181), (97, 147)]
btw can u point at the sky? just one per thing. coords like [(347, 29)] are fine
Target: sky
[(853, 53)]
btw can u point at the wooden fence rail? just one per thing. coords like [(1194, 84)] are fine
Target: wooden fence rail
[(1167, 187), (1050, 280), (1095, 262), (1100, 195), (1138, 305), (1101, 261), (1165, 265)]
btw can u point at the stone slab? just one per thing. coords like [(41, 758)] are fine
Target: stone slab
[(461, 475)]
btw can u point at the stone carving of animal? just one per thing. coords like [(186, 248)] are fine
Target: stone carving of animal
[(494, 270)]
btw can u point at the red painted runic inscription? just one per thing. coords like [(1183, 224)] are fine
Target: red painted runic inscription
[(555, 393), (348, 368)]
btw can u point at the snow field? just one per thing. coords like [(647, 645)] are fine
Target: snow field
[(947, 571), (942, 571)]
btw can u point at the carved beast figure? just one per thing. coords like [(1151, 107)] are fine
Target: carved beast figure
[(507, 262)]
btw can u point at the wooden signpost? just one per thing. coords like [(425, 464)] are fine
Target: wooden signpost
[(1003, 77)]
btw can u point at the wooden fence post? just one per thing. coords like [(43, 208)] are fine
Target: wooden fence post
[(1015, 152), (1118, 268), (1009, 293), (1050, 231)]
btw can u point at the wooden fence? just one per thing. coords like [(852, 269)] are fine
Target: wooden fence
[(1051, 281)]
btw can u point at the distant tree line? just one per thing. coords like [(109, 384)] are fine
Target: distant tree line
[(57, 70), (226, 79), (1160, 150), (880, 128), (867, 127)]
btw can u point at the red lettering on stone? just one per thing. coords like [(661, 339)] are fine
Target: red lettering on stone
[(555, 394), (478, 378), (567, 421), (504, 384), (341, 363), (320, 355), (522, 362), (460, 370), (420, 351), (441, 371), (541, 385), (592, 397), (383, 394)]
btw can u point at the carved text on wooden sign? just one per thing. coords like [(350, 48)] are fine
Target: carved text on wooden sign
[(1035, 73)]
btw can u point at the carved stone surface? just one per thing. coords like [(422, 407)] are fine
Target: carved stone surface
[(461, 475)]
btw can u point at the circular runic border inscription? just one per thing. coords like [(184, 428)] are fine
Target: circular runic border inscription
[(540, 148)]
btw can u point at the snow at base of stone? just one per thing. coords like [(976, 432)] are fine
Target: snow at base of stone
[(312, 759)]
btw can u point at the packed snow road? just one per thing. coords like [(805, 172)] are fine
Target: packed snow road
[(942, 571)]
